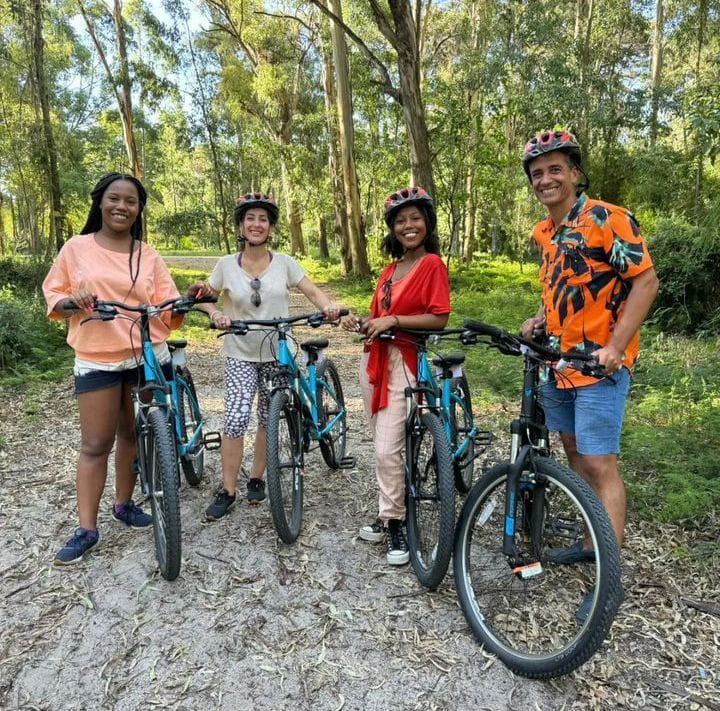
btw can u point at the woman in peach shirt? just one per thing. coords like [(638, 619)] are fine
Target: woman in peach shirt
[(108, 261)]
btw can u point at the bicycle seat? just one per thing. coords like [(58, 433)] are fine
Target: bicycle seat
[(315, 345), (447, 361), (178, 343)]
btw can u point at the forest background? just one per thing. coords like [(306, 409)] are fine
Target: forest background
[(332, 105)]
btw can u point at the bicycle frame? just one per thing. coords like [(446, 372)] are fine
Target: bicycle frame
[(305, 387), (440, 398)]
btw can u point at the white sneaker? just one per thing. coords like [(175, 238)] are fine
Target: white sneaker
[(374, 532)]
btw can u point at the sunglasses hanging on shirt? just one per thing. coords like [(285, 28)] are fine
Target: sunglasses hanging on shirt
[(255, 299)]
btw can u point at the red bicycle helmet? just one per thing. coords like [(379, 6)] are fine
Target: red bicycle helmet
[(250, 200), (408, 196), (549, 141)]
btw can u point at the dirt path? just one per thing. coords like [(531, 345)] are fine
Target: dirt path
[(254, 624)]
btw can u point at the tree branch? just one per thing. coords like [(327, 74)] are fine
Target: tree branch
[(286, 17), (383, 23), (386, 83)]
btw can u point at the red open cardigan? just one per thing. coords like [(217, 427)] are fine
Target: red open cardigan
[(424, 290)]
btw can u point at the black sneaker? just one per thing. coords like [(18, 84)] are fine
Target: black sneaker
[(373, 532), (397, 547), (571, 555), (222, 503), (255, 490)]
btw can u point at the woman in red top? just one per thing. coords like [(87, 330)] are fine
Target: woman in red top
[(412, 292)]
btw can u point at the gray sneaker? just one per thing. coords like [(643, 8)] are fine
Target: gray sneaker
[(222, 503), (255, 490)]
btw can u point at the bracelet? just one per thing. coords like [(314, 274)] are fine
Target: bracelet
[(397, 320), (213, 315)]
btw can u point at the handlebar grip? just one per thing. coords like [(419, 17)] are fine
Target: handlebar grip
[(344, 312), (483, 329), (206, 299), (69, 305)]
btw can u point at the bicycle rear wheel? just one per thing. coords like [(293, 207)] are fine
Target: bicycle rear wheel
[(330, 403), (284, 464), (193, 461), (430, 501), (162, 472), (461, 423), (523, 610)]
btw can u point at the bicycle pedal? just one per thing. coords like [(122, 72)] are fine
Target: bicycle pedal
[(212, 440), (484, 439), (347, 463)]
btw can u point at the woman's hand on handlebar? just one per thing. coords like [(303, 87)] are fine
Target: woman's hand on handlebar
[(220, 320), (373, 327), (351, 323), (332, 312), (83, 298)]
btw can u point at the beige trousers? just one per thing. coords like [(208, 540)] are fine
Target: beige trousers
[(388, 430)]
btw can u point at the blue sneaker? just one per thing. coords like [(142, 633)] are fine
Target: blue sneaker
[(76, 547), (131, 515)]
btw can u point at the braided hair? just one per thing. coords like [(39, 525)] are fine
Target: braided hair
[(94, 218)]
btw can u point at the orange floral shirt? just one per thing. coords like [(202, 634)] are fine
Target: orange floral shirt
[(587, 266)]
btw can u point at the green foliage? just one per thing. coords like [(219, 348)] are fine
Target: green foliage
[(23, 273), (688, 266), (671, 440), (30, 345)]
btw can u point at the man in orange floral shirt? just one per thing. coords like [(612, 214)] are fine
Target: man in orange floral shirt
[(598, 286)]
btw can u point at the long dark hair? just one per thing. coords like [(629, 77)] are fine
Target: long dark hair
[(391, 244), (94, 218)]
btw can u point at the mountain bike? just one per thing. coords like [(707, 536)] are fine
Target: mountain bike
[(440, 451), (307, 408), (519, 604), (169, 426)]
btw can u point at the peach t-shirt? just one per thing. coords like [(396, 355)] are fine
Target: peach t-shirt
[(82, 261)]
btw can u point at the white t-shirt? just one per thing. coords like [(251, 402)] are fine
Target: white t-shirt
[(234, 283)]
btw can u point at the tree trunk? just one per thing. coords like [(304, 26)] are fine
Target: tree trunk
[(57, 213), (207, 121), (2, 228), (656, 70), (339, 201), (125, 98), (700, 149), (346, 136), (323, 250), (292, 213), (413, 109), (470, 241)]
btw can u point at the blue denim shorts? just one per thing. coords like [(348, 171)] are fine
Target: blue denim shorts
[(593, 413)]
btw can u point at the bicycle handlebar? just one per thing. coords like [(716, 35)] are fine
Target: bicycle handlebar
[(240, 327), (510, 344), (107, 310)]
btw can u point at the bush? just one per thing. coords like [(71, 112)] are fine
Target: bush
[(29, 341), (23, 273), (688, 266)]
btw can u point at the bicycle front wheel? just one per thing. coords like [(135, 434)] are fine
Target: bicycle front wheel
[(284, 464), (430, 501), (331, 405), (161, 463), (461, 424), (523, 607), (193, 460)]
